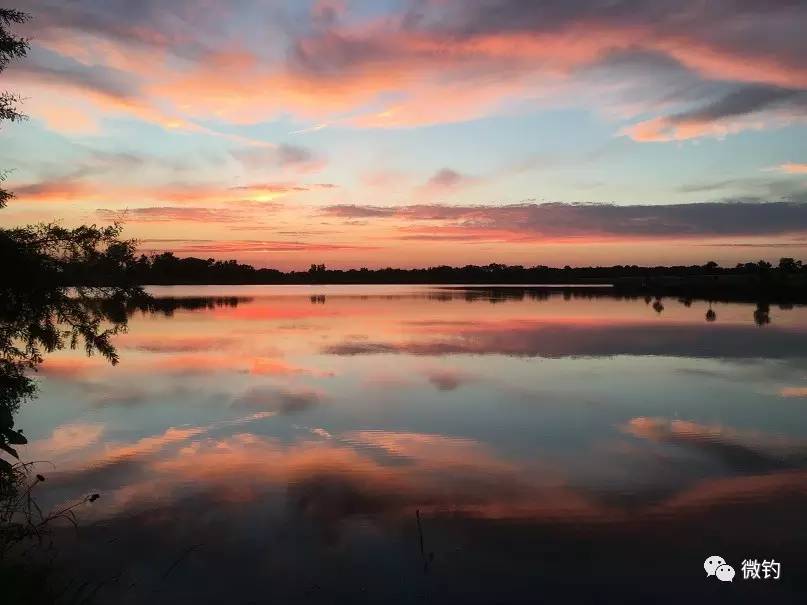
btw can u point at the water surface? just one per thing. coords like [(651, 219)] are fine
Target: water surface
[(277, 444)]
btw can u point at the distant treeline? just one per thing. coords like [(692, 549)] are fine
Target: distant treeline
[(166, 268)]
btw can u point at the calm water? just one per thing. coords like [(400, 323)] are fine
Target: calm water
[(274, 444)]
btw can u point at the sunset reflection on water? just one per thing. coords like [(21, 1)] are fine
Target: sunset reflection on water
[(278, 441)]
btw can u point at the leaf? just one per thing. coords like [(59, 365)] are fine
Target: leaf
[(6, 420), (16, 437), (10, 450)]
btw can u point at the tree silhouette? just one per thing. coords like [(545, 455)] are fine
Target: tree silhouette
[(789, 265), (11, 47)]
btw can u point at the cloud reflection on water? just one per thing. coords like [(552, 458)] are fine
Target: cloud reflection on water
[(529, 435)]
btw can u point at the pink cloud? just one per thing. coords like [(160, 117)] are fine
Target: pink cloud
[(455, 62), (235, 247)]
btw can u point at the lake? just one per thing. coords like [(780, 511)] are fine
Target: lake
[(417, 444)]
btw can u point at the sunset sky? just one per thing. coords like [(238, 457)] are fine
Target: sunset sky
[(418, 132)]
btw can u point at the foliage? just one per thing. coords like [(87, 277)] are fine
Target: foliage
[(63, 288), (11, 47), (49, 254)]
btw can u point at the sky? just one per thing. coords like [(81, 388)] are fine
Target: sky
[(418, 132)]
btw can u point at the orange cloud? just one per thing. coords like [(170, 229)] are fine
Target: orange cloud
[(665, 129), (150, 445), (170, 343), (70, 367), (113, 184), (682, 431), (208, 361), (273, 367), (70, 119), (432, 450), (748, 107), (437, 466), (793, 168), (201, 363), (793, 392), (727, 492), (58, 191)]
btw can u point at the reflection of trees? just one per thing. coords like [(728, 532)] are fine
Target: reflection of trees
[(505, 293), (495, 294), (39, 314), (762, 314), (32, 324), (168, 305)]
